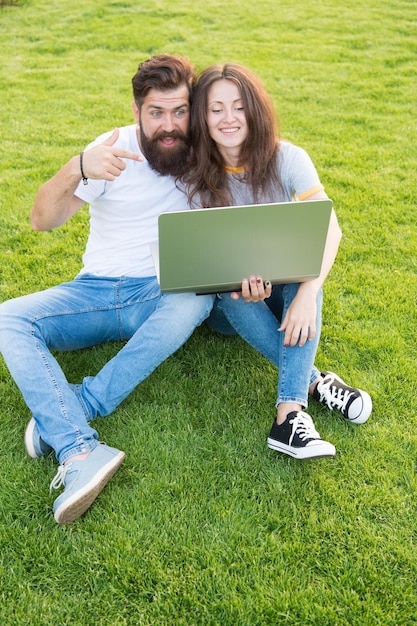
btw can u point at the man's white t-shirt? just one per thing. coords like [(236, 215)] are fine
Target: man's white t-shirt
[(124, 214)]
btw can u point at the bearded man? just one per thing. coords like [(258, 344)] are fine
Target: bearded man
[(128, 177)]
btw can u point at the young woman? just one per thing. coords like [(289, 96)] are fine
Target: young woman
[(238, 160)]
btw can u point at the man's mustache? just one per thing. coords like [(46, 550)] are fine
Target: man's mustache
[(174, 134)]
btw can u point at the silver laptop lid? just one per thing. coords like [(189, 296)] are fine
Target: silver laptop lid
[(213, 250)]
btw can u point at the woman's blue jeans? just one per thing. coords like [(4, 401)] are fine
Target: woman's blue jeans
[(84, 312), (256, 323)]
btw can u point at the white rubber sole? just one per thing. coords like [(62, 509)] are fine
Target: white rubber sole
[(313, 450), (30, 450), (366, 409), (77, 504)]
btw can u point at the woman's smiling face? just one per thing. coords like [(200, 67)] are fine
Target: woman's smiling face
[(226, 119)]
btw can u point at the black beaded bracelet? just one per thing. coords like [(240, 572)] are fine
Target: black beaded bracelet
[(84, 177)]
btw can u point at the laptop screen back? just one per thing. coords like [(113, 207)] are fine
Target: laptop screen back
[(212, 250)]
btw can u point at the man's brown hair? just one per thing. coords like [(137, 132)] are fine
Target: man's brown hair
[(162, 72)]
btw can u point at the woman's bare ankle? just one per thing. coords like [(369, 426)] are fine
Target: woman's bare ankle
[(284, 408), (314, 385)]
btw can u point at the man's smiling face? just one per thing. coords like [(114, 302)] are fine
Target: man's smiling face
[(163, 121)]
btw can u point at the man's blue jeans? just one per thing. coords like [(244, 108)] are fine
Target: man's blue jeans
[(259, 327), (84, 312)]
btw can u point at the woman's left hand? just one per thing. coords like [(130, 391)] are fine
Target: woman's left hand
[(299, 323), (253, 290)]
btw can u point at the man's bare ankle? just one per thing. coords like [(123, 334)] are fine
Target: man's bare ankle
[(78, 457)]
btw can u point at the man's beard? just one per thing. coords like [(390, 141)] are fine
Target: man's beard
[(171, 160)]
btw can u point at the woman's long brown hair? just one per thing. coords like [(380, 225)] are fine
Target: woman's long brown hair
[(207, 178)]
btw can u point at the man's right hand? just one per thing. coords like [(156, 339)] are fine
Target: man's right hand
[(105, 161), (55, 201)]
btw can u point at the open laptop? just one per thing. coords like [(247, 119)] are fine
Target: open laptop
[(213, 250)]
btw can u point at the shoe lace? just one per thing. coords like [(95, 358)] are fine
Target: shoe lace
[(59, 478), (304, 427), (334, 395)]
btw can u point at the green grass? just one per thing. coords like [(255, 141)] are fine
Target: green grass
[(203, 525)]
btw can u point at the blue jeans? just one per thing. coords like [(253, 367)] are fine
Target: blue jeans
[(256, 324), (84, 312)]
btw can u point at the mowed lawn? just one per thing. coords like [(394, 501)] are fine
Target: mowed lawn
[(203, 524)]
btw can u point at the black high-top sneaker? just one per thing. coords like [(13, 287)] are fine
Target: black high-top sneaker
[(298, 437), (354, 404)]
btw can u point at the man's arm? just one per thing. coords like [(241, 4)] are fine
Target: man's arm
[(55, 201)]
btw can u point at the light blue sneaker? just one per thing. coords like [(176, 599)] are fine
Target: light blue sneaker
[(35, 446), (83, 481)]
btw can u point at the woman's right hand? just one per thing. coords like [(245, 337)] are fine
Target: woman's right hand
[(299, 323)]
